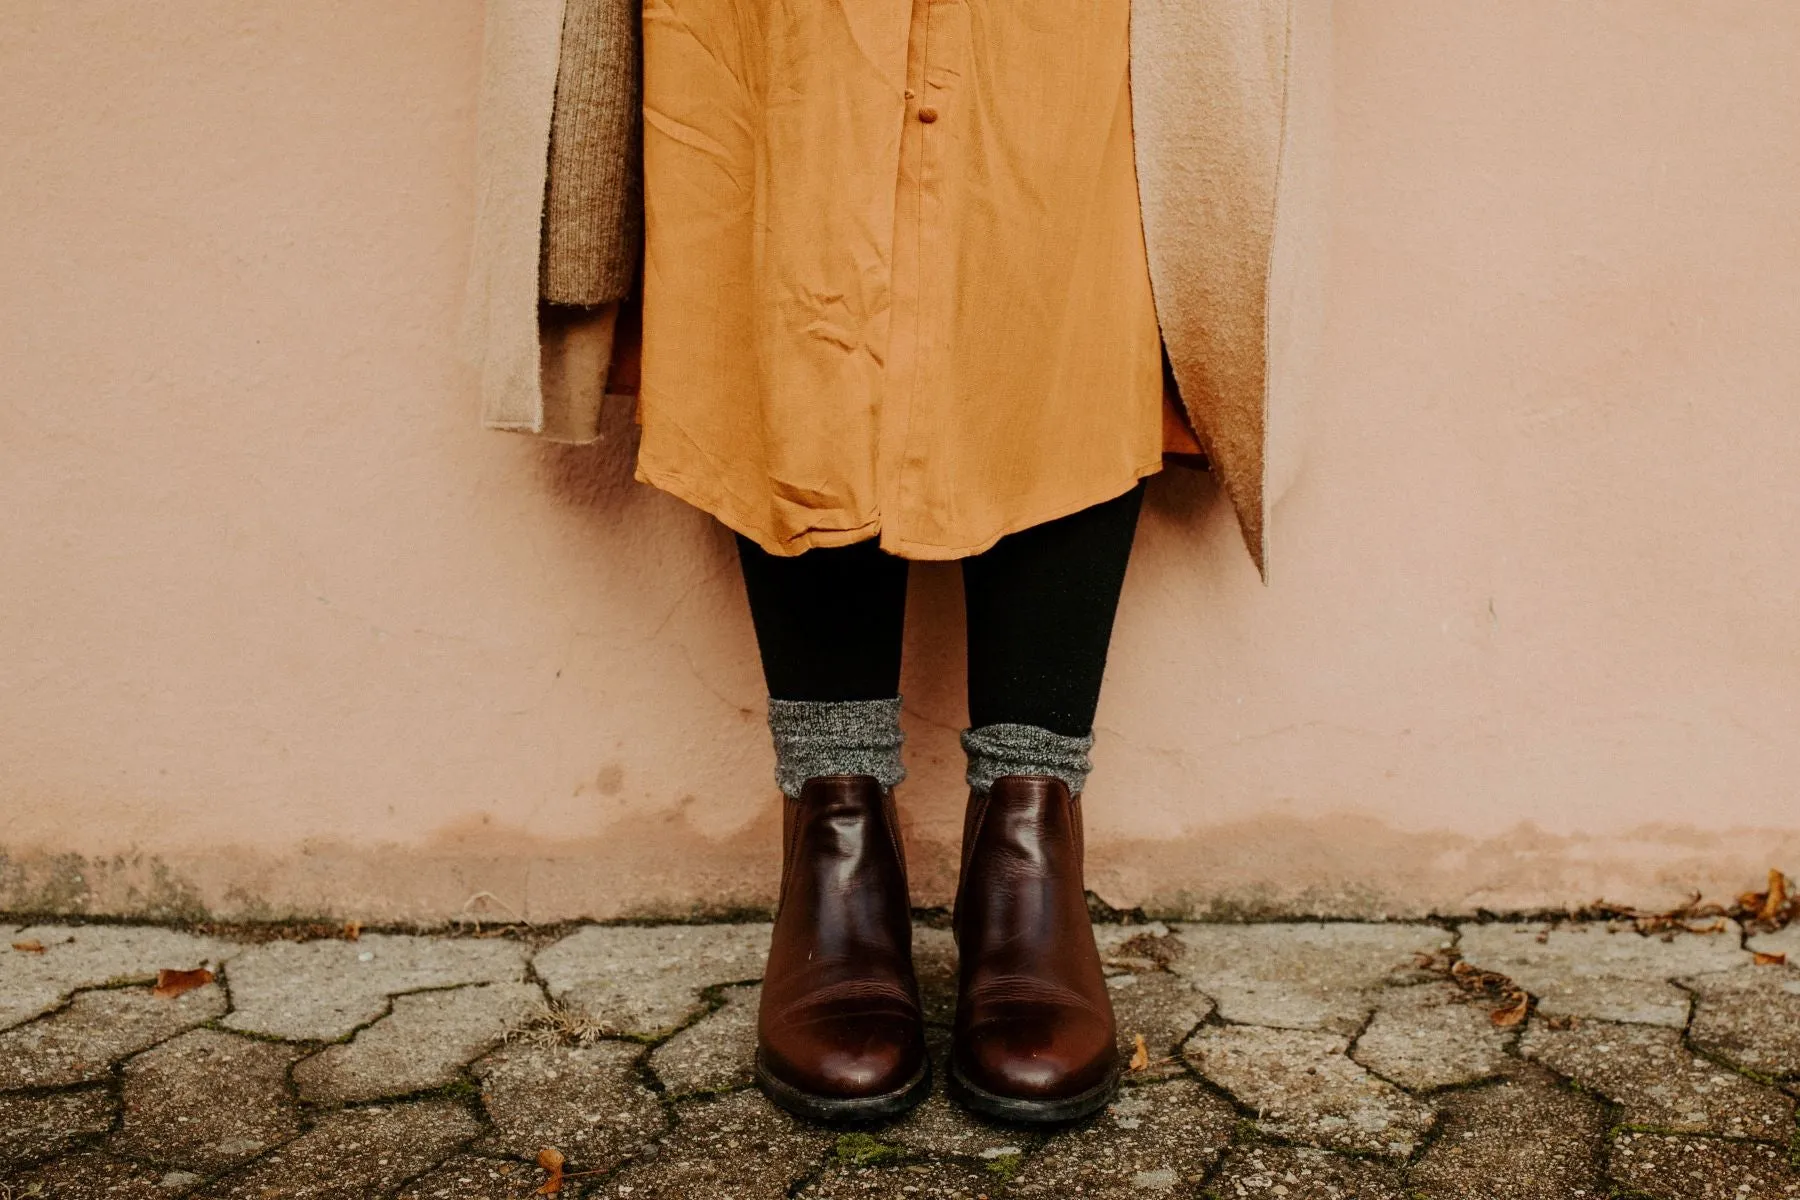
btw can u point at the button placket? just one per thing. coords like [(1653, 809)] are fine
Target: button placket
[(910, 338)]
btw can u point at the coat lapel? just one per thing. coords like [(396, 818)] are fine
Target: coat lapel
[(1231, 107), (518, 97), (1228, 97)]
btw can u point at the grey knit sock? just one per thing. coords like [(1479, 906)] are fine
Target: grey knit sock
[(996, 750), (835, 737)]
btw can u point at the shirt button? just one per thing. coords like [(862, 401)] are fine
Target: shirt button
[(927, 115)]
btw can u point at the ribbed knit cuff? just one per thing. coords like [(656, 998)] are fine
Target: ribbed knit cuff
[(996, 750), (593, 193), (835, 737)]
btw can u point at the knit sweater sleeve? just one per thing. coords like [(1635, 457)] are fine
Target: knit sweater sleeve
[(593, 201)]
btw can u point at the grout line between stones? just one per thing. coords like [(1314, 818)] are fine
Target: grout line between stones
[(712, 998)]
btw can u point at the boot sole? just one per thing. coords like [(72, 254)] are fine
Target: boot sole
[(1032, 1112), (845, 1110)]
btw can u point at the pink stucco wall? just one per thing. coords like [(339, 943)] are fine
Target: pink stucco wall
[(282, 632)]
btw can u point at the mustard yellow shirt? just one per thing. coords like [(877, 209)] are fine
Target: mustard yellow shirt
[(895, 283)]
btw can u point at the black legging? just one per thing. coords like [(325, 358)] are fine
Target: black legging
[(1040, 614)]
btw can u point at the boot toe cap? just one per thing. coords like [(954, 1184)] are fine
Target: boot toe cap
[(846, 1058), (1036, 1060)]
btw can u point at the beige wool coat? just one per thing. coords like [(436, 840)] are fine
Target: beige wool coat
[(1231, 114)]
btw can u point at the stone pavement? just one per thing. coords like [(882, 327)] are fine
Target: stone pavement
[(1494, 1061)]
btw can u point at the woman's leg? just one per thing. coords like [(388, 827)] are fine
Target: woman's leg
[(1035, 1038), (839, 1033), (1040, 614), (829, 625), (828, 622)]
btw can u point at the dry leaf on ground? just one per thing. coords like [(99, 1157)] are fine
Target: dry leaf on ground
[(1506, 1018), (352, 931), (170, 984), (1474, 982), (29, 947), (1774, 901), (1763, 959), (1140, 1057), (551, 1160), (1683, 918), (1161, 950), (1772, 909), (1767, 910)]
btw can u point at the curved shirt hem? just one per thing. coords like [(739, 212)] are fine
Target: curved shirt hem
[(807, 539)]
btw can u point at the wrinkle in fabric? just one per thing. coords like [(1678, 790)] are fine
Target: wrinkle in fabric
[(895, 282)]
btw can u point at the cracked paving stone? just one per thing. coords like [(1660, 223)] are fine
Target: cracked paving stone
[(907, 1181), (423, 1044), (1153, 1139), (1593, 971), (585, 1101), (354, 1154), (934, 964), (714, 1054), (1134, 948), (1685, 1168), (645, 982), (1164, 1009), (1785, 941), (80, 1043), (736, 1147), (1750, 1016), (472, 1177), (90, 956), (1431, 1036), (1305, 1089), (207, 1100), (1523, 1139), (93, 1177), (1301, 976), (1659, 1082), (938, 1126), (1299, 1173), (322, 991), (37, 1127)]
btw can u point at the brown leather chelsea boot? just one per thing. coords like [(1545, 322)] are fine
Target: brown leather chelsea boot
[(839, 1035), (1034, 1039)]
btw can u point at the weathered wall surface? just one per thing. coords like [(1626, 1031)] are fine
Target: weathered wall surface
[(282, 632)]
